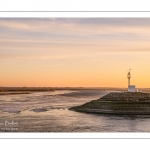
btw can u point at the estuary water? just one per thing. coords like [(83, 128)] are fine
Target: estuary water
[(48, 112)]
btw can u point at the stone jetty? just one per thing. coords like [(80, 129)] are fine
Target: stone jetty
[(118, 103)]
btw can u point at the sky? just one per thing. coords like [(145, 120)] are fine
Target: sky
[(74, 52)]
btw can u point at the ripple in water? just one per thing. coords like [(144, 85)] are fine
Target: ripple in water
[(48, 112)]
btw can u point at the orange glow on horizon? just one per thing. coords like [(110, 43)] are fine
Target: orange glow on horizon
[(74, 52)]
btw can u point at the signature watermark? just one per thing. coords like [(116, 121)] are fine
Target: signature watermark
[(9, 125)]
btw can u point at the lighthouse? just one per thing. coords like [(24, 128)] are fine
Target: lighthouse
[(131, 88), (129, 76)]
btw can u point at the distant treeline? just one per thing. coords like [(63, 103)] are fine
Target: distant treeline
[(15, 89)]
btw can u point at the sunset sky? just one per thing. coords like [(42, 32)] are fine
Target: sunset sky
[(74, 52)]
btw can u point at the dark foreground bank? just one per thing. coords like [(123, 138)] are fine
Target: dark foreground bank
[(121, 103)]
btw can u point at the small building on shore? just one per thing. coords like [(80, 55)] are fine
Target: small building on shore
[(131, 88), (139, 90)]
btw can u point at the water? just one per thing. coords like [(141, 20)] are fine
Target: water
[(48, 112)]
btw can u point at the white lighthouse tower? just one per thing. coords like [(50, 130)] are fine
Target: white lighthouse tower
[(131, 88), (129, 76)]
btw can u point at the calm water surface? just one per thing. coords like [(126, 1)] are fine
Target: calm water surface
[(48, 112)]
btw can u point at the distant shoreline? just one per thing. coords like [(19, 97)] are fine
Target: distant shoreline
[(13, 93), (44, 89)]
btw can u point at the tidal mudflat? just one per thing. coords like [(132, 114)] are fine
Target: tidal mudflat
[(49, 112)]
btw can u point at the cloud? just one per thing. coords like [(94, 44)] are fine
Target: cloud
[(74, 27), (26, 37)]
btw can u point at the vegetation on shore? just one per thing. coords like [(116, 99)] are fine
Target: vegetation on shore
[(13, 93), (42, 89)]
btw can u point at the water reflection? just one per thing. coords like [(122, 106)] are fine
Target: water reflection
[(48, 112)]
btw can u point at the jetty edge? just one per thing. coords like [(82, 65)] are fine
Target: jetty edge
[(118, 103)]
